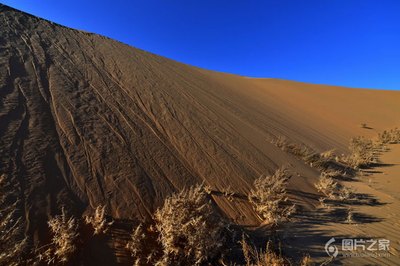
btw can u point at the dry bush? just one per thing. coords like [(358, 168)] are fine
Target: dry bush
[(321, 161), (143, 245), (98, 221), (229, 193), (350, 216), (364, 125), (136, 244), (361, 152), (208, 189), (345, 193), (269, 197), (191, 231), (328, 155), (327, 186), (389, 136), (332, 189), (12, 239), (268, 257), (305, 153), (333, 173), (305, 261), (63, 244), (284, 144)]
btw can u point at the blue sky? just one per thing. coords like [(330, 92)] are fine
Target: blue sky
[(353, 43)]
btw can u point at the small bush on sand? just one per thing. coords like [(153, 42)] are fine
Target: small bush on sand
[(63, 244), (361, 152), (350, 216), (136, 244), (332, 189), (389, 136), (268, 257), (327, 186), (345, 193), (321, 161), (143, 245), (269, 197), (305, 261), (98, 221), (333, 173), (191, 231), (284, 144), (229, 193), (328, 155)]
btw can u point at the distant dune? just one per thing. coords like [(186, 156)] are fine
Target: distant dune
[(86, 120)]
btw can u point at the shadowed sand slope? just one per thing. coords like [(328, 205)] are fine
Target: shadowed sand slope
[(86, 120), (377, 218)]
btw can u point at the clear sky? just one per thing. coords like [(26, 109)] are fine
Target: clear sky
[(353, 43)]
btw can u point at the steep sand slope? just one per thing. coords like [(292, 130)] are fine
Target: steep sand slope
[(85, 120)]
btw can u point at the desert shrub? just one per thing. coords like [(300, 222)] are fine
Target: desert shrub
[(332, 189), (98, 221), (321, 161), (361, 152), (12, 240), (389, 136), (229, 193), (327, 186), (136, 244), (364, 125), (143, 245), (268, 257), (333, 173), (269, 197), (63, 243), (285, 145), (208, 189), (345, 193), (305, 261), (328, 155), (191, 231), (350, 216)]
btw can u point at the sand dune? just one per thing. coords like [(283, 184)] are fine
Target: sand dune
[(86, 120)]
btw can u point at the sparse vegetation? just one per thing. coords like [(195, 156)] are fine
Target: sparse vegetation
[(12, 240), (191, 231), (389, 136), (98, 221), (305, 261), (293, 148), (229, 193), (136, 244), (346, 194), (327, 186), (188, 230), (361, 152), (208, 189), (63, 244), (332, 189), (325, 161), (350, 216), (268, 257), (269, 197), (328, 155)]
